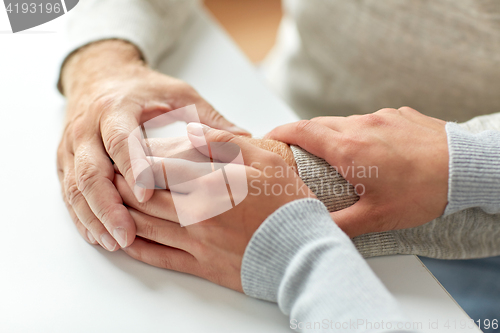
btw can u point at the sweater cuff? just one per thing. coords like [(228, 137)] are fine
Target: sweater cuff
[(474, 170), (324, 181), (150, 26), (276, 242)]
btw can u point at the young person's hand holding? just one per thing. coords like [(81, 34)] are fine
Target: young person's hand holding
[(396, 159)]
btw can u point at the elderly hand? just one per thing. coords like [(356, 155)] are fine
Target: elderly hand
[(110, 92), (213, 248), (396, 159)]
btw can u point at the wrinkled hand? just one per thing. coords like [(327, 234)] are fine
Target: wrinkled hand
[(396, 159), (213, 248), (110, 92)]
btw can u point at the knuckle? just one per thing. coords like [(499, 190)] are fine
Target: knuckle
[(73, 194), (373, 119), (116, 141), (150, 231), (303, 126), (102, 104), (78, 128), (166, 262), (386, 110), (406, 109), (214, 116), (87, 177), (104, 215), (221, 136)]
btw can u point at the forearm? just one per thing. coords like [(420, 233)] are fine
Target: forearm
[(317, 274)]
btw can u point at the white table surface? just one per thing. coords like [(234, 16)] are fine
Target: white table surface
[(51, 280)]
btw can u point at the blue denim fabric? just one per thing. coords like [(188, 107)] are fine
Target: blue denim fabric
[(474, 284)]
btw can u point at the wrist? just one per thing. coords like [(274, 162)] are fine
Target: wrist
[(92, 65), (277, 147), (333, 190)]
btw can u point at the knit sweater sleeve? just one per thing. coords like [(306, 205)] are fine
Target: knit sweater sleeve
[(470, 227), (304, 262), (152, 26)]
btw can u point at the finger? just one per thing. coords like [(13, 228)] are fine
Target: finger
[(94, 179), (81, 209), (138, 145), (123, 138), (161, 231), (86, 234), (161, 204), (77, 205), (338, 124), (209, 116), (163, 256), (311, 136), (224, 146)]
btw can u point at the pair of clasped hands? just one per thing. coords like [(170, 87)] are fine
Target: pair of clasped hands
[(111, 92)]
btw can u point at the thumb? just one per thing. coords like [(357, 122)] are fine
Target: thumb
[(209, 116), (354, 220)]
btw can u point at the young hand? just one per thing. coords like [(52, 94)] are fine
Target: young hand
[(396, 159)]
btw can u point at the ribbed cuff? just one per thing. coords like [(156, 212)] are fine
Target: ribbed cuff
[(474, 170), (377, 244), (276, 242), (324, 181)]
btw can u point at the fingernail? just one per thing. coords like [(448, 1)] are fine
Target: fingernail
[(108, 242), (140, 192), (120, 234), (90, 237), (196, 129), (238, 130)]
